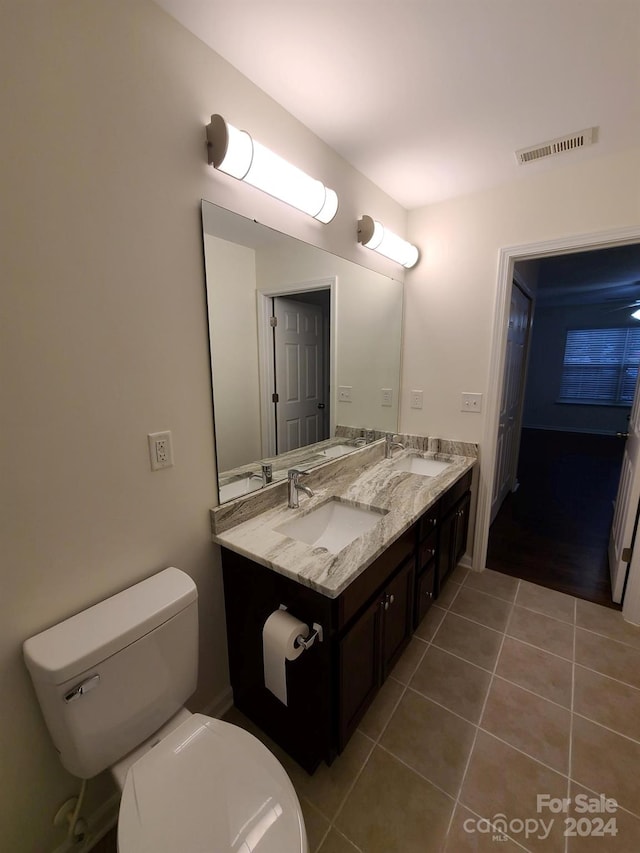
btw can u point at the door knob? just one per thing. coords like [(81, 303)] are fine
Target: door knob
[(321, 405), (622, 434)]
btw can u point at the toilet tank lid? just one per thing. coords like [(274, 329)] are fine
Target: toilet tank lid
[(91, 636)]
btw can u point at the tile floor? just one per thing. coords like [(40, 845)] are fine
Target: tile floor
[(506, 691)]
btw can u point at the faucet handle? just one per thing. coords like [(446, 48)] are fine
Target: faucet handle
[(296, 473)]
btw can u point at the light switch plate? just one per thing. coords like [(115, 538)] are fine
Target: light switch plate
[(344, 393), (471, 402)]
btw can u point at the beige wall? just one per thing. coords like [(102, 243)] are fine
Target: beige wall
[(233, 333), (450, 295), (104, 332)]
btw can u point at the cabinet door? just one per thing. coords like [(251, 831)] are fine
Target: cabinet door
[(397, 622), (359, 670), (445, 548), (461, 530), (425, 587)]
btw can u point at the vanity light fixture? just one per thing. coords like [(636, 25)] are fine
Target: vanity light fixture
[(234, 152), (636, 314), (374, 235)]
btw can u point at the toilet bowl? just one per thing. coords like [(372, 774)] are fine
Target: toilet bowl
[(190, 783), (209, 780)]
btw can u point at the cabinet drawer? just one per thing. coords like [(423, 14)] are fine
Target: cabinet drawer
[(371, 580), (427, 551), (429, 521), (425, 589)]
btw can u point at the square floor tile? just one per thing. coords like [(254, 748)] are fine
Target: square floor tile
[(430, 623), (542, 631), (448, 593), (608, 702), (409, 660), (502, 780), (530, 723), (431, 740), (392, 808), (489, 611), (605, 620), (335, 842), (381, 709), (627, 827), (326, 789), (454, 683), (470, 834), (606, 762), (493, 583), (608, 657), (315, 823), (547, 601), (543, 673), (469, 640)]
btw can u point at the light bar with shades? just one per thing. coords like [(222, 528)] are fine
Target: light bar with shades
[(234, 152), (374, 235)]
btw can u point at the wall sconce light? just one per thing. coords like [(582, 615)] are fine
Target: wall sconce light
[(234, 152), (374, 235)]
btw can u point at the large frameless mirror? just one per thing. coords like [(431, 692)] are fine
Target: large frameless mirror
[(303, 344)]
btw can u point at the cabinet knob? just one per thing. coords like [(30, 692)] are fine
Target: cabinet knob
[(429, 594), (386, 605), (392, 598)]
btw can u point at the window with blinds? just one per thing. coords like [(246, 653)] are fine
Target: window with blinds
[(600, 366)]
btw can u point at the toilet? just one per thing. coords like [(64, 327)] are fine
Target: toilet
[(112, 682)]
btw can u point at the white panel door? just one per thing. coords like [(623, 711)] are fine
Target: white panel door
[(299, 362), (512, 395), (626, 506)]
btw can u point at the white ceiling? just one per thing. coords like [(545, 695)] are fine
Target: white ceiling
[(430, 98)]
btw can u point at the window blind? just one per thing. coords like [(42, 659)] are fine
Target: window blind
[(600, 366)]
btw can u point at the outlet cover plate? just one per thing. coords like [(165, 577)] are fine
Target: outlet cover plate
[(160, 450), (387, 396), (416, 399)]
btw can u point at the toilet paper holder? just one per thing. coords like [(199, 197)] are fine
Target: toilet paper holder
[(307, 642)]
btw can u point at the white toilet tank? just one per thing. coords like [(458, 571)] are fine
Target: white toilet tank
[(110, 676)]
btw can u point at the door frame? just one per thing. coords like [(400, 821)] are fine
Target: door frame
[(507, 258), (266, 357)]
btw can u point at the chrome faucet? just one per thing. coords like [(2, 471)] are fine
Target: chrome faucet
[(267, 473), (390, 444), (295, 486)]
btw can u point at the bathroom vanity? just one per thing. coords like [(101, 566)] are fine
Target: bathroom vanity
[(368, 598)]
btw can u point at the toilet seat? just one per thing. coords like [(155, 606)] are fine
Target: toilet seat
[(209, 787)]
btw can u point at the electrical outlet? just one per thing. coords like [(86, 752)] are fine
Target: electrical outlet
[(416, 399), (471, 402), (160, 450), (387, 396), (344, 393)]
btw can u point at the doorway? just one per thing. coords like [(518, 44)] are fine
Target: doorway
[(297, 363), (553, 459)]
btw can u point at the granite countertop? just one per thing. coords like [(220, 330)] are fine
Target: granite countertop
[(400, 497)]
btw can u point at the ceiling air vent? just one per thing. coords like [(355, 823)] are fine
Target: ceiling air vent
[(557, 146)]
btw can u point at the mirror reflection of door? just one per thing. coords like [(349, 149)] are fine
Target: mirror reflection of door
[(300, 394)]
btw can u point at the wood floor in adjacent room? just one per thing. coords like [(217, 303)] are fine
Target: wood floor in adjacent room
[(554, 530)]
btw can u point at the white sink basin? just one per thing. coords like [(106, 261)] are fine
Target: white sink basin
[(333, 525), (418, 465), (237, 488), (336, 450)]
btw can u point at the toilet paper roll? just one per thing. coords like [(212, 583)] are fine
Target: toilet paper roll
[(278, 645)]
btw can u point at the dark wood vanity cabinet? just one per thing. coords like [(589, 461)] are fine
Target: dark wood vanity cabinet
[(453, 528), (366, 629)]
